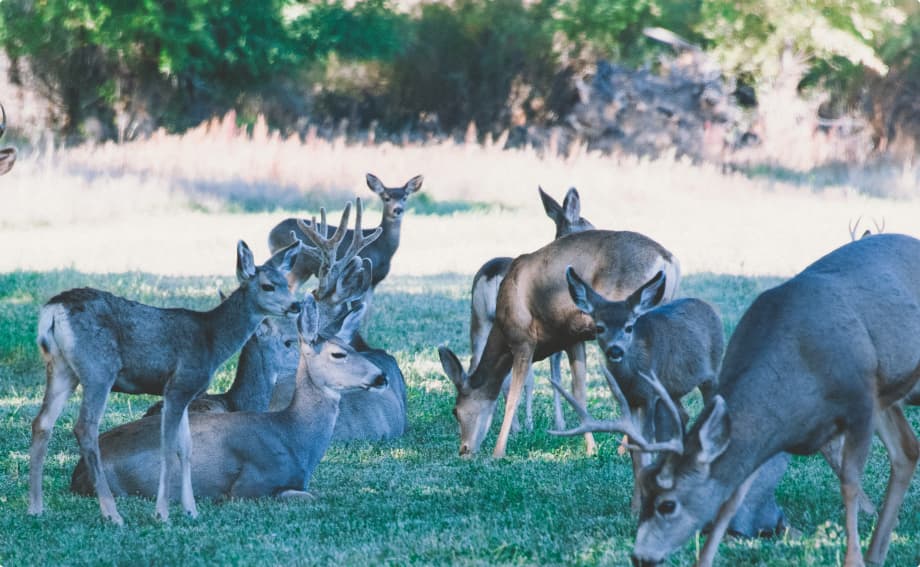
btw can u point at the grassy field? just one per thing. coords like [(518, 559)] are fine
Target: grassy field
[(148, 223)]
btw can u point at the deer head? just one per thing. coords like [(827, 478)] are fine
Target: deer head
[(567, 216), (394, 198), (473, 408), (267, 282)]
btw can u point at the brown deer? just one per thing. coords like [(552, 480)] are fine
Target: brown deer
[(380, 252), (107, 343), (535, 317), (830, 352), (484, 295), (8, 154), (249, 454), (680, 341)]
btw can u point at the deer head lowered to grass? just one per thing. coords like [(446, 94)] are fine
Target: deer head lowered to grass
[(8, 154), (833, 351), (105, 342), (248, 454), (535, 317), (484, 296)]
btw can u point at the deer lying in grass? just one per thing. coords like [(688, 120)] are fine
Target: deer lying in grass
[(106, 343), (680, 341), (484, 295), (832, 351), (8, 154), (535, 317), (380, 252), (247, 454)]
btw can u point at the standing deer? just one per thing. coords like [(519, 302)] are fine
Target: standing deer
[(832, 351), (247, 454), (380, 252), (8, 154), (535, 317), (567, 218), (105, 343), (680, 341)]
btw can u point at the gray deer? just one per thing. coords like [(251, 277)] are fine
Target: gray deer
[(248, 454), (7, 154), (830, 352), (105, 343), (484, 296)]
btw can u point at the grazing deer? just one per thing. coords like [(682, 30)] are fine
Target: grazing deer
[(8, 154), (105, 343), (567, 218), (380, 252), (680, 341), (535, 317), (248, 454), (832, 351)]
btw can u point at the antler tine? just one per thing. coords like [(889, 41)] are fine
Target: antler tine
[(659, 388), (589, 424), (853, 228), (879, 229), (359, 240)]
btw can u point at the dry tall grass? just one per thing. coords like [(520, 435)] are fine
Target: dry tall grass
[(177, 204)]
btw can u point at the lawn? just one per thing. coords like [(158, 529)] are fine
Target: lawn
[(154, 234)]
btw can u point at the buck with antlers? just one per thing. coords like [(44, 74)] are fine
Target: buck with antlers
[(535, 317), (245, 454), (379, 252), (108, 343), (8, 154), (830, 352), (484, 296)]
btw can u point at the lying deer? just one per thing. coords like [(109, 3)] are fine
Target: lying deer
[(832, 351), (248, 454), (567, 218), (105, 343), (380, 252), (535, 318), (8, 154), (680, 341)]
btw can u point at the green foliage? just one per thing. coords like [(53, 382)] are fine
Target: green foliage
[(370, 30)]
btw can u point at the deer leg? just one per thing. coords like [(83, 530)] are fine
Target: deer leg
[(855, 452), (833, 454), (523, 359), (60, 385), (903, 452), (528, 400), (185, 447), (506, 385), (726, 513), (555, 370), (578, 363), (175, 406), (86, 431)]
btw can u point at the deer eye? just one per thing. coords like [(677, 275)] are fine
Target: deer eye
[(268, 287), (666, 507), (288, 343), (628, 329), (339, 355)]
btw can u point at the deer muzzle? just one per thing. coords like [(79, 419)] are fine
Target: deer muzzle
[(293, 308), (637, 562), (380, 382), (615, 353)]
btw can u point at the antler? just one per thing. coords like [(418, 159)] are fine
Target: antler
[(627, 424), (326, 248), (853, 227), (879, 229)]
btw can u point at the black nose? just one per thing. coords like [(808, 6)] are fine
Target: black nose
[(379, 382), (642, 562), (398, 211), (615, 353), (294, 308)]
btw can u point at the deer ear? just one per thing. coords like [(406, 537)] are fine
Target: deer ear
[(284, 259), (715, 433), (414, 184), (649, 295), (375, 184), (665, 477), (552, 208), (308, 320), (354, 281), (571, 206), (581, 293), (452, 367), (352, 322), (245, 265)]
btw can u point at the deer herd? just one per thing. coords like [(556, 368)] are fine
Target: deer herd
[(820, 363)]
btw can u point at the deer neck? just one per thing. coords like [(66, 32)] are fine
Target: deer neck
[(390, 235), (311, 402), (252, 387), (494, 365), (230, 324)]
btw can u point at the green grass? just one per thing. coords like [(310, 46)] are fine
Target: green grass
[(411, 501)]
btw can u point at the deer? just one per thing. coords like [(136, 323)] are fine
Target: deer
[(535, 317), (567, 218), (108, 343), (832, 351), (7, 154), (251, 454), (380, 252), (854, 228), (680, 341)]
